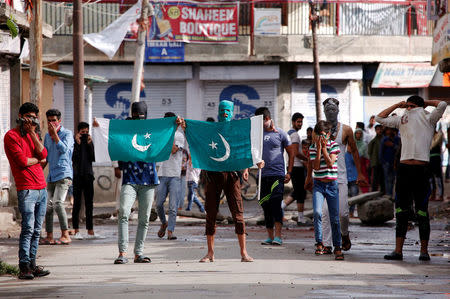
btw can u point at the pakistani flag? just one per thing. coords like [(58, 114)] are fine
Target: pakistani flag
[(148, 140), (225, 146)]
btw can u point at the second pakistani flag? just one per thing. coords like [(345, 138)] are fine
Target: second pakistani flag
[(225, 146), (148, 140)]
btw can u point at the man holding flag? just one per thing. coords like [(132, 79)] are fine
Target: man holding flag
[(139, 180), (238, 147)]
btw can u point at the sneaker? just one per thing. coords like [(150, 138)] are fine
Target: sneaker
[(394, 256), (277, 241), (267, 241), (95, 236), (424, 256), (78, 236), (39, 271), (25, 272), (26, 275)]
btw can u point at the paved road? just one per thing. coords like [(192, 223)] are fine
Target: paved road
[(85, 268)]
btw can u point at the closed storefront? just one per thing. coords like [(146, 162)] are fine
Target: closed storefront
[(340, 82), (4, 127), (249, 87), (112, 100)]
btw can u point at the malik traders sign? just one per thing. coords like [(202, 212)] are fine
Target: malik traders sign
[(403, 75), (195, 22), (441, 40)]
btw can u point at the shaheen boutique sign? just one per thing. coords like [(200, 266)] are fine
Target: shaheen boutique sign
[(196, 22)]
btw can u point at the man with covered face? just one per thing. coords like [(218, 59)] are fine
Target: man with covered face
[(229, 182), (417, 128), (343, 136), (139, 180)]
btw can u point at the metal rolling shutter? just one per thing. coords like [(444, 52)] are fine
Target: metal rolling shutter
[(303, 100), (247, 97), (112, 100)]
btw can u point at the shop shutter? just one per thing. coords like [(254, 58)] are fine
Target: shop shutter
[(112, 100), (247, 96)]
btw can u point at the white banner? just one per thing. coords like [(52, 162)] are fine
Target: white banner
[(267, 21), (441, 40)]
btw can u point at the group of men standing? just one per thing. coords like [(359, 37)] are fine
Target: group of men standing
[(325, 175)]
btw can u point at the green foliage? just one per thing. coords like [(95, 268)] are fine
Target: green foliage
[(13, 28), (8, 269)]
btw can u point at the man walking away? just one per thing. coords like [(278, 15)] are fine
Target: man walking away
[(25, 153)]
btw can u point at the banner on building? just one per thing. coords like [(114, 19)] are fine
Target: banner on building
[(164, 51), (441, 40), (403, 75), (195, 22), (267, 21)]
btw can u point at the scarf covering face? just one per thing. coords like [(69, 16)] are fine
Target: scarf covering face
[(226, 107), (139, 108), (360, 144)]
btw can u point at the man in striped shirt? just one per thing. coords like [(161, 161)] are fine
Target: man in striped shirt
[(323, 155)]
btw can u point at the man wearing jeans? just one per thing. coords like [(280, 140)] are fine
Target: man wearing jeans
[(139, 180), (59, 144), (25, 151), (170, 182)]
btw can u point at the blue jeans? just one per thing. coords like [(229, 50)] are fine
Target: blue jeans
[(172, 186), (192, 197), (128, 195), (330, 192), (388, 171), (353, 190), (32, 207)]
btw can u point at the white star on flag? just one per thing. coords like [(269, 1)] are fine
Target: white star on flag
[(213, 145), (147, 136)]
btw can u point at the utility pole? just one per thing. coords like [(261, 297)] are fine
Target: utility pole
[(146, 11), (78, 63), (314, 20), (36, 53)]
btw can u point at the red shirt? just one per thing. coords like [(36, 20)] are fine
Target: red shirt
[(18, 149)]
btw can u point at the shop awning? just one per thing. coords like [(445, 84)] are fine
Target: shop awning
[(403, 75)]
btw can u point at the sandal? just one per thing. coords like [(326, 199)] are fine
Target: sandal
[(319, 249), (121, 260), (327, 250), (346, 243), (338, 256), (44, 242), (247, 259), (162, 230), (172, 237), (207, 258), (142, 259)]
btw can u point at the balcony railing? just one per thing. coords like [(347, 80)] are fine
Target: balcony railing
[(338, 17)]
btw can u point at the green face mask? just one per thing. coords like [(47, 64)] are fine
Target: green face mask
[(226, 107)]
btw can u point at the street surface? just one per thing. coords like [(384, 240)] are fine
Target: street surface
[(85, 268)]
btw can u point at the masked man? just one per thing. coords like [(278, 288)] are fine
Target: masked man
[(139, 180), (229, 182), (343, 136)]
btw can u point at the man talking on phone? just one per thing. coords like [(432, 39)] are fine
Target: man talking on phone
[(25, 153)]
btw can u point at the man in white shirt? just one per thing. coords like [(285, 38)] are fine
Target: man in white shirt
[(170, 182), (416, 129)]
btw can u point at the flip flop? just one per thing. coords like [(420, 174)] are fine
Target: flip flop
[(162, 230), (121, 260), (247, 259), (63, 242), (172, 237), (142, 259)]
